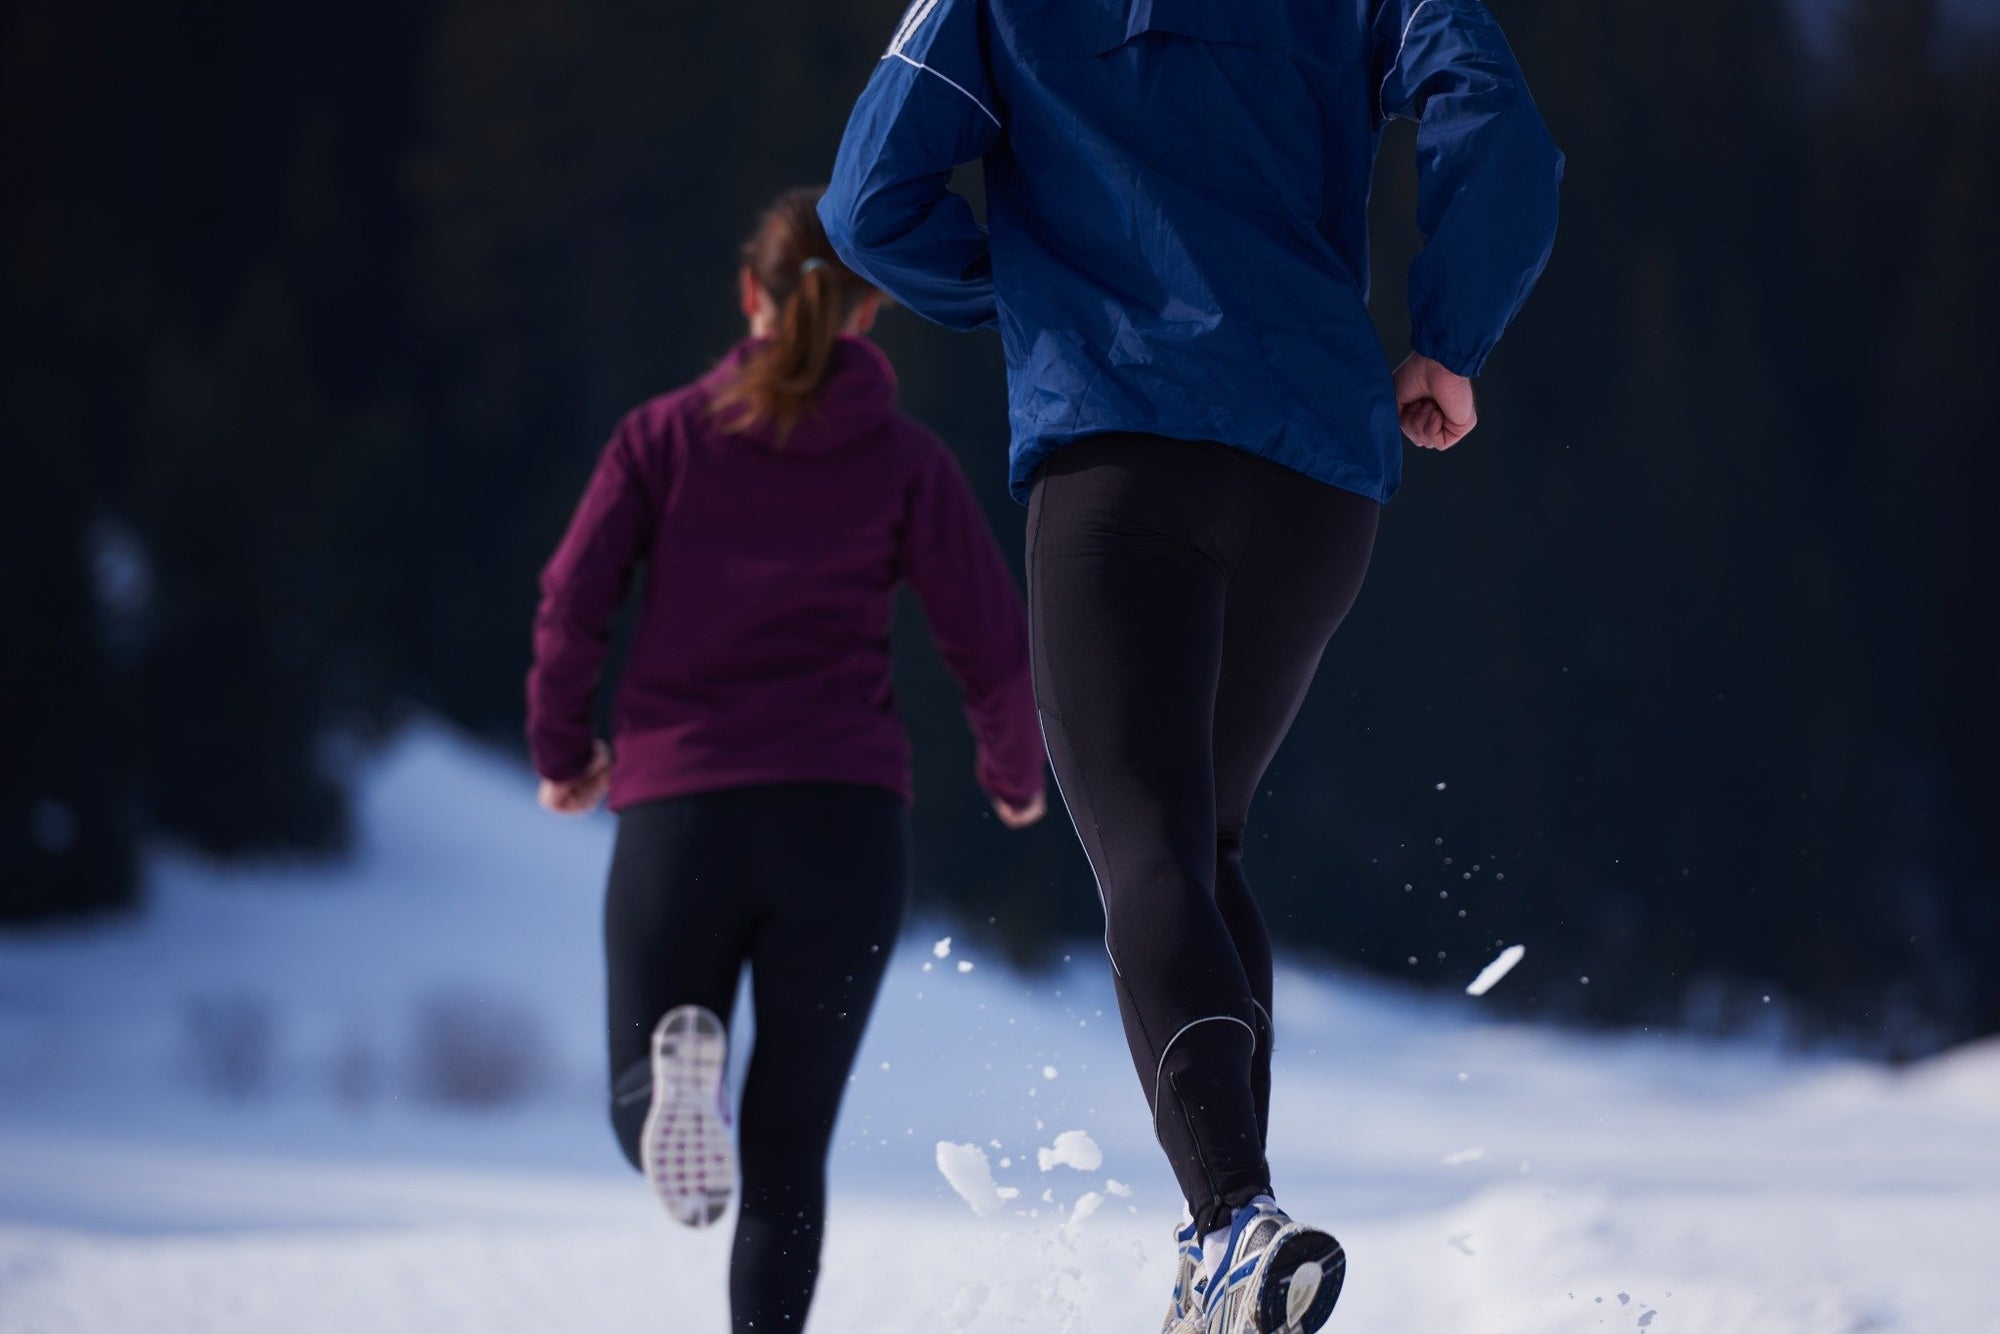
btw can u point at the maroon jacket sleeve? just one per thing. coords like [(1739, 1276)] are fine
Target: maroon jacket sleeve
[(583, 587), (976, 616)]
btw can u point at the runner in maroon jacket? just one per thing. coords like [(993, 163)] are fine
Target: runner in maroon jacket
[(757, 764)]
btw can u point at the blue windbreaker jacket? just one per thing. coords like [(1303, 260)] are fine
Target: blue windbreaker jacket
[(1177, 198)]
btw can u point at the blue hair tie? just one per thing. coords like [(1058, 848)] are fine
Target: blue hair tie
[(814, 263)]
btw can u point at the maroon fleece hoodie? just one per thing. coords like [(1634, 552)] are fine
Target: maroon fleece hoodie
[(762, 649)]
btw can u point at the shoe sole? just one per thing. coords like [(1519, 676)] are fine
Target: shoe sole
[(685, 1146), (1301, 1283)]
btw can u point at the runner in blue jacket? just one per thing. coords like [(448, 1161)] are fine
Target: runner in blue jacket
[(1205, 429)]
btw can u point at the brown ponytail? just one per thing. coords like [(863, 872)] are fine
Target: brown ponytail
[(814, 292)]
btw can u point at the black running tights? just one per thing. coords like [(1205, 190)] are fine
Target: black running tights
[(1181, 594), (806, 883)]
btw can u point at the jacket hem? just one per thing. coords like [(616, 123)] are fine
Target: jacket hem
[(1028, 459), (634, 790)]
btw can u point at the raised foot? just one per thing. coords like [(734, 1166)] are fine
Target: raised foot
[(685, 1147), (1302, 1283)]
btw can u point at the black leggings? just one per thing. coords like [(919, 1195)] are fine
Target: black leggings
[(807, 883), (1181, 594)]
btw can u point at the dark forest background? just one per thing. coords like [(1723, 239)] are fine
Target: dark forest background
[(317, 313)]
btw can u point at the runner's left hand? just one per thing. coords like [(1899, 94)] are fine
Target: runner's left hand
[(1434, 404)]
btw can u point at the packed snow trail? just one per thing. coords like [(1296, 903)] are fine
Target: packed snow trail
[(1514, 1258), (221, 1118)]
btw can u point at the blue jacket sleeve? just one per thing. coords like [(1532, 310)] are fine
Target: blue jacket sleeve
[(1487, 173), (888, 211)]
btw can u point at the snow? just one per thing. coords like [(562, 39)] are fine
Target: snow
[(1086, 1205), (1073, 1148), (964, 1308), (222, 1116), (1490, 975), (970, 1173)]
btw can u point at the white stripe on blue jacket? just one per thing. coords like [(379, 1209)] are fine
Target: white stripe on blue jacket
[(1177, 196)]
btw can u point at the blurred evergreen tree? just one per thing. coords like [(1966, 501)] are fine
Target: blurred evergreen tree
[(66, 832), (318, 315), (204, 287)]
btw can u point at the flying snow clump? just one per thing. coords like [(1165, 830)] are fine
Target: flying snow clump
[(1499, 968), (1074, 1149), (964, 1308), (1085, 1207), (967, 1170)]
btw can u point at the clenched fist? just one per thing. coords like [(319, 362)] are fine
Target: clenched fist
[(1435, 405), (580, 795)]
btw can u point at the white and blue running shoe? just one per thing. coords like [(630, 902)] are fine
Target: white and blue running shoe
[(1190, 1282), (1275, 1276)]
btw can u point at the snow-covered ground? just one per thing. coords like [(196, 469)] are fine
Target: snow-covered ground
[(229, 1116)]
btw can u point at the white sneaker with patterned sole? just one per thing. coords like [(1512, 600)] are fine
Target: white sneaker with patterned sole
[(1184, 1312), (1276, 1276), (685, 1146)]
